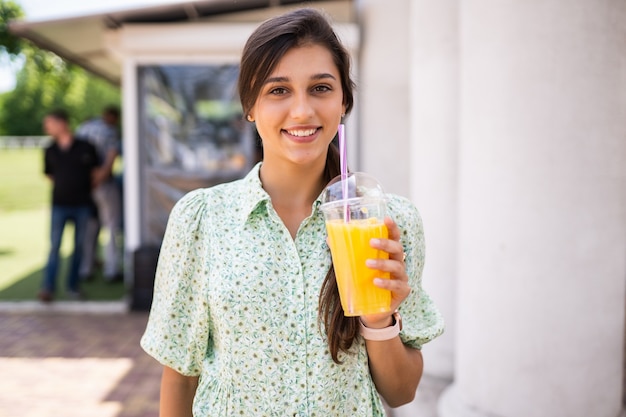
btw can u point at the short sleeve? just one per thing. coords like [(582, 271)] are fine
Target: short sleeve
[(421, 320), (177, 334)]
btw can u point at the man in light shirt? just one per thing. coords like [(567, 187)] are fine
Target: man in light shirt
[(103, 133)]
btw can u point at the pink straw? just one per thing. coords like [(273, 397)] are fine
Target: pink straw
[(343, 164)]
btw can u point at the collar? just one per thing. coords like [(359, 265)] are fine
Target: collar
[(253, 195)]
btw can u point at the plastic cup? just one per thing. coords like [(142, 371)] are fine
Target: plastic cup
[(351, 223)]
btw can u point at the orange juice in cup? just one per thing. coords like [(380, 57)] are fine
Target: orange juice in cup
[(351, 223)]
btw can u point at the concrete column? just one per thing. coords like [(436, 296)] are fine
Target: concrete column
[(542, 210), (383, 87), (130, 144), (434, 162)]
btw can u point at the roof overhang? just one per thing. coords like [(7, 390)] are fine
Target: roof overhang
[(82, 40)]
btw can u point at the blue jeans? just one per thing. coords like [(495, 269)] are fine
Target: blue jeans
[(79, 215)]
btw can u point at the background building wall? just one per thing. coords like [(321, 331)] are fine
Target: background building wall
[(505, 122), (409, 132), (383, 83), (542, 210), (433, 148)]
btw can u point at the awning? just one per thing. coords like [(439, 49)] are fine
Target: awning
[(81, 39)]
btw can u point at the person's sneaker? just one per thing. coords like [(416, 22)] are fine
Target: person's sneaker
[(45, 296), (74, 295)]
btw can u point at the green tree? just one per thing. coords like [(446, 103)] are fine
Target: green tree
[(45, 82), (9, 10)]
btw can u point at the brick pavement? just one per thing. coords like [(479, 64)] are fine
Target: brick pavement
[(67, 364), (77, 360)]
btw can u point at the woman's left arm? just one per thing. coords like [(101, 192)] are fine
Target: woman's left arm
[(396, 368)]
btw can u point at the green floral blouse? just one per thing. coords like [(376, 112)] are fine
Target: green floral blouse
[(236, 303)]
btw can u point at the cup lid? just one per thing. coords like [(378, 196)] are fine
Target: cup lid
[(360, 186)]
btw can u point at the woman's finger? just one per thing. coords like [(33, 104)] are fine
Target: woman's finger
[(394, 267), (399, 287), (392, 247), (392, 227)]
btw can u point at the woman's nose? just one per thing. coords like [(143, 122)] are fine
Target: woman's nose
[(302, 107)]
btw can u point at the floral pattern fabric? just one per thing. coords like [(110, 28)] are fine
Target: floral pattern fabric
[(236, 303)]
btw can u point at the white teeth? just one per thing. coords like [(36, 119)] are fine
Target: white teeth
[(301, 133)]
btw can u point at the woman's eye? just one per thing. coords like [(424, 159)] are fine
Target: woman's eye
[(278, 91), (321, 88)]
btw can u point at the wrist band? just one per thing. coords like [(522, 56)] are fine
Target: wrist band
[(386, 333)]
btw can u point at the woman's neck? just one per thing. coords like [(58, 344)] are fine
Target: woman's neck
[(292, 189), (292, 184)]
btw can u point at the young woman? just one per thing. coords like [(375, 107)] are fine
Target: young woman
[(246, 317)]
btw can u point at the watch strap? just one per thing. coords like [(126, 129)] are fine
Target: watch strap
[(386, 333)]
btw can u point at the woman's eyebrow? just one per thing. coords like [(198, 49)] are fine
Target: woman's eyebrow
[(276, 80), (286, 79), (322, 76)]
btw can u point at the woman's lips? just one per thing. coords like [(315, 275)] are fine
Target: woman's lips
[(302, 135)]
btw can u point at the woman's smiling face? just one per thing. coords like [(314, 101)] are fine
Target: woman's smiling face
[(300, 106)]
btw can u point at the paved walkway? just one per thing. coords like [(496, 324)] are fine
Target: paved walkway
[(60, 363), (84, 360)]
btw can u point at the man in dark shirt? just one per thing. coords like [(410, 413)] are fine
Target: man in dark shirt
[(71, 164)]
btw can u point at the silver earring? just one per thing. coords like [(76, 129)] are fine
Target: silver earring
[(250, 119), (343, 115)]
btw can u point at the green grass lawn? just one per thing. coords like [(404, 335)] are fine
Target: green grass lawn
[(23, 185), (25, 228)]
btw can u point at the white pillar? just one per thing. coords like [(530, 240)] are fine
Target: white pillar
[(542, 213), (383, 87), (433, 167), (130, 143)]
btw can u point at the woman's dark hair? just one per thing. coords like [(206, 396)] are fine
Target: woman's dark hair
[(340, 330), (262, 52), (274, 37)]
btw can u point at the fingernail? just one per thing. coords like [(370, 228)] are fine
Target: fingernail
[(375, 241), (370, 262), (378, 281)]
